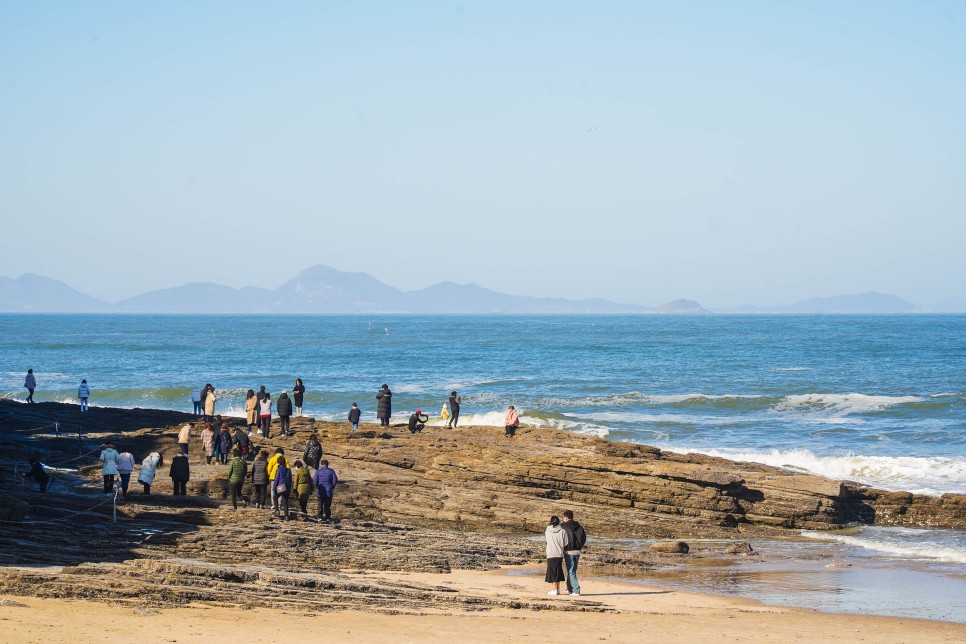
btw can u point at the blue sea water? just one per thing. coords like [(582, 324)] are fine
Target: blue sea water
[(879, 399)]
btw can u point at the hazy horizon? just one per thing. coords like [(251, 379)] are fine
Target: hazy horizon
[(731, 154)]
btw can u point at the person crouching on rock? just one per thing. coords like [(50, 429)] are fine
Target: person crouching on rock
[(241, 440), (417, 422), (37, 473), (149, 467), (180, 475), (556, 544)]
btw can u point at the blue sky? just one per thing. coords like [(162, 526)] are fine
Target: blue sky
[(728, 152)]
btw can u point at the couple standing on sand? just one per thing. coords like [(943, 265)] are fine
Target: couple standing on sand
[(565, 541)]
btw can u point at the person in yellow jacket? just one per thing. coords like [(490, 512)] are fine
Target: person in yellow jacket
[(272, 468), (444, 412)]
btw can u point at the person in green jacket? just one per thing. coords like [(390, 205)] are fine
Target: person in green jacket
[(302, 483), (237, 470)]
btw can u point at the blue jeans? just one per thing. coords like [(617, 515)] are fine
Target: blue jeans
[(355, 426), (570, 561), (197, 404), (83, 404)]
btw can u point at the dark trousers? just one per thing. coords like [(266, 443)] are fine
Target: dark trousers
[(180, 487), (197, 407), (108, 482), (235, 493), (125, 480), (511, 430), (30, 397), (147, 487), (260, 495), (265, 422), (283, 424), (325, 507), (454, 418), (184, 448)]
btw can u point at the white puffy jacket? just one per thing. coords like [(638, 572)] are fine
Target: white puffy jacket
[(109, 456), (148, 468)]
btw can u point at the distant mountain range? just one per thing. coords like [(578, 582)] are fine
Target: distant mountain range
[(319, 289), (322, 289)]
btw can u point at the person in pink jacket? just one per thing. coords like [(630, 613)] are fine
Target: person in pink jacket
[(511, 421)]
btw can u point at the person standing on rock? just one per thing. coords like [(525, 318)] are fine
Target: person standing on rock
[(511, 421), (30, 382), (277, 459), (313, 452), (302, 484), (196, 400), (210, 401), (237, 470), (83, 393), (265, 415), (384, 406), (283, 407), (109, 457), (325, 481), (282, 486), (260, 478), (149, 467), (224, 443), (454, 409), (180, 474), (125, 466), (183, 437), (354, 415), (298, 393), (202, 399), (576, 538), (251, 410), (208, 438), (556, 544)]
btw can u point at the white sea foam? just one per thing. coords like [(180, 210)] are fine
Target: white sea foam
[(637, 398), (932, 475), (906, 543), (842, 403), (684, 419)]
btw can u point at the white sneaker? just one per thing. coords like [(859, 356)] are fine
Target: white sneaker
[(577, 594), (553, 592)]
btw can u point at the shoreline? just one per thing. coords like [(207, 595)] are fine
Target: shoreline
[(416, 513)]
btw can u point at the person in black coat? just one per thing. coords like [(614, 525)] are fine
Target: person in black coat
[(384, 410), (283, 406), (37, 473), (454, 409), (298, 393), (180, 474)]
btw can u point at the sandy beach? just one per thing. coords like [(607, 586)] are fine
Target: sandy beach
[(634, 613)]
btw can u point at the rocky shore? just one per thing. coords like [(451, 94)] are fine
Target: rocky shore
[(433, 502)]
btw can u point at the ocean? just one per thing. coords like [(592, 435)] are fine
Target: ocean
[(875, 399)]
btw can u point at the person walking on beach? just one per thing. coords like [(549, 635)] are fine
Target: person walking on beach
[(273, 463), (325, 481), (511, 421), (30, 383), (417, 422), (251, 410), (180, 474), (265, 415), (556, 544), (576, 539), (283, 407), (260, 478), (282, 486), (125, 466), (109, 457), (354, 415), (384, 406), (183, 437), (302, 484), (37, 473), (210, 401), (196, 400), (208, 438), (454, 409), (313, 452), (298, 393), (237, 470), (83, 393), (224, 444), (149, 467)]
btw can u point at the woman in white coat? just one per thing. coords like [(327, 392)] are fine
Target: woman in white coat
[(557, 541), (109, 456), (149, 466)]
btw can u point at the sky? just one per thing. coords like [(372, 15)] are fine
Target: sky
[(727, 152)]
